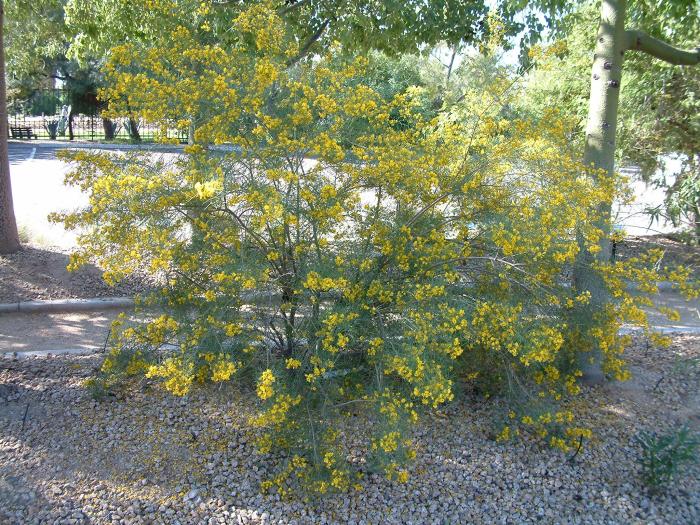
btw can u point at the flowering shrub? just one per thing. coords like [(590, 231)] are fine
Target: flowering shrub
[(429, 252)]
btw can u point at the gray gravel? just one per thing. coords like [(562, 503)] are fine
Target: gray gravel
[(152, 458)]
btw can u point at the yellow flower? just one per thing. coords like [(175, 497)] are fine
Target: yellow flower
[(292, 363), (265, 390), (222, 370)]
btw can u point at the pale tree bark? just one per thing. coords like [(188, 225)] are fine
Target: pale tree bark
[(9, 238), (612, 42)]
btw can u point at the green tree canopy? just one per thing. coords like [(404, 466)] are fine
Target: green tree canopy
[(391, 26), (34, 34)]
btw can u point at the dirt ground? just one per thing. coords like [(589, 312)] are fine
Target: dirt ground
[(675, 252), (40, 273), (51, 332)]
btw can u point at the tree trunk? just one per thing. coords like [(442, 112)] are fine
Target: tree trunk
[(108, 126), (9, 237), (70, 124), (134, 129), (599, 153)]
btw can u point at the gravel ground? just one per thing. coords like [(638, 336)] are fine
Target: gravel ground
[(152, 458), (40, 273)]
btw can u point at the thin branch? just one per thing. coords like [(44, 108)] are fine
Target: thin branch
[(309, 43), (292, 7), (578, 449), (640, 41), (451, 65)]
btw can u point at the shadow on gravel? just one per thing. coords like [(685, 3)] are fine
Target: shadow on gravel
[(135, 452), (38, 273), (675, 252)]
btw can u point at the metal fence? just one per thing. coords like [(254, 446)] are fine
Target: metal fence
[(86, 127), (45, 115)]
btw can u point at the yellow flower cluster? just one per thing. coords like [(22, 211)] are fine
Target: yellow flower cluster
[(362, 252), (265, 389), (178, 375)]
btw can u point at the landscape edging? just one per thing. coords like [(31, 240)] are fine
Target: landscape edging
[(67, 305)]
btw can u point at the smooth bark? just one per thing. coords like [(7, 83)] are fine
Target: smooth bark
[(640, 41), (612, 42)]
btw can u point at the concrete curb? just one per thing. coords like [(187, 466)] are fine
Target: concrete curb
[(24, 354), (95, 304), (67, 305)]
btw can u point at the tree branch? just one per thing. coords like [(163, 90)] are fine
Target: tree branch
[(309, 43), (640, 41), (291, 7)]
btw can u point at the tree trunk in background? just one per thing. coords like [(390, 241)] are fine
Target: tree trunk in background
[(9, 237), (134, 129), (70, 124), (108, 127), (612, 42)]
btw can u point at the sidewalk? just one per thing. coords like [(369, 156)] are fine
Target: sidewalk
[(23, 332), (86, 332), (689, 311)]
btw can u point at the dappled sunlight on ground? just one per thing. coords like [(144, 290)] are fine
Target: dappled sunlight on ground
[(41, 332)]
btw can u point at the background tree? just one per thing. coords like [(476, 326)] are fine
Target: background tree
[(612, 42), (390, 26), (35, 33), (9, 237), (659, 110), (31, 34)]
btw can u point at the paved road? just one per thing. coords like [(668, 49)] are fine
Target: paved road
[(25, 150), (38, 188), (37, 177)]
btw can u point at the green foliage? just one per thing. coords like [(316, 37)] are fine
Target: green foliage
[(331, 275), (34, 32), (390, 26), (51, 127), (659, 112), (682, 203), (663, 455), (44, 103)]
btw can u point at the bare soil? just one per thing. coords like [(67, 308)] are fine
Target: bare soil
[(675, 252), (40, 273)]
